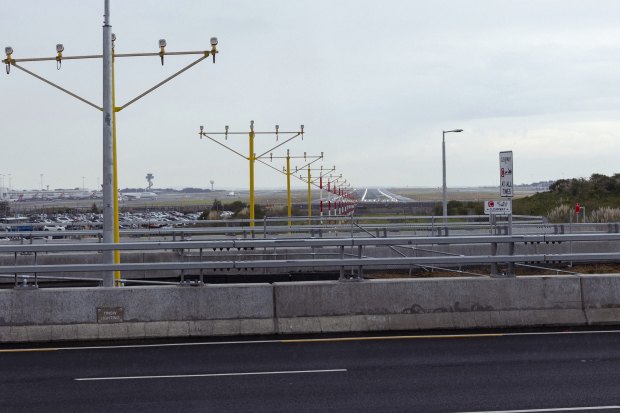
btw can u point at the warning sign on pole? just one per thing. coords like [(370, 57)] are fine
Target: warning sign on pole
[(503, 207), (505, 174)]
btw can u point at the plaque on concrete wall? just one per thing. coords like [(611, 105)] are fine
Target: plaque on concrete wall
[(109, 314)]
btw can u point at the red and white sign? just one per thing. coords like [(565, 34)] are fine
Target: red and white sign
[(505, 174), (503, 207)]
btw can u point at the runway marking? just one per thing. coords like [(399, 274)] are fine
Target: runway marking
[(391, 198), (182, 376), (558, 409), (309, 340)]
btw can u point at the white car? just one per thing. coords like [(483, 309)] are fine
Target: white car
[(54, 228)]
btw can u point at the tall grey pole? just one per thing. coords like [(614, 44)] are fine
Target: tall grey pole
[(443, 159), (108, 170)]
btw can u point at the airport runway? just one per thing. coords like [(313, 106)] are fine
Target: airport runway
[(381, 195), (532, 372)]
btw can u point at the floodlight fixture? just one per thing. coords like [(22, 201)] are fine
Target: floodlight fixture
[(8, 50), (59, 49), (213, 47), (162, 46)]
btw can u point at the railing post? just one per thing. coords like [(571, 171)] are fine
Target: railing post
[(201, 269), (341, 278), (494, 264), (511, 264), (360, 255)]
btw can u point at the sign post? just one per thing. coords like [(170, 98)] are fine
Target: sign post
[(506, 184), (506, 190)]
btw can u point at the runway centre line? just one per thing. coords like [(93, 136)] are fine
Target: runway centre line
[(183, 376)]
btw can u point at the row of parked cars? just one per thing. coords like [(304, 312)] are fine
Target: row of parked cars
[(62, 222)]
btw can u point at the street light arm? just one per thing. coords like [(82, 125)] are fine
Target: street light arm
[(318, 158), (270, 166), (98, 56), (284, 173), (221, 144), (277, 146), (169, 78), (56, 86)]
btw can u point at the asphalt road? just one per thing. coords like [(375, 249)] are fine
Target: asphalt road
[(489, 373)]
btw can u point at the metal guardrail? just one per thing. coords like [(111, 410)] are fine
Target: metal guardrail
[(337, 259), (306, 226)]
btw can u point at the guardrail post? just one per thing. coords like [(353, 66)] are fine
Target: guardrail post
[(341, 278), (511, 264), (360, 269), (201, 269), (36, 281), (494, 264), (351, 226)]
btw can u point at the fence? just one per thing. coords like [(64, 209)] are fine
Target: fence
[(318, 254)]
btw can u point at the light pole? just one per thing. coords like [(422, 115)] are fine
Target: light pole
[(109, 110), (443, 158), (288, 172), (252, 157)]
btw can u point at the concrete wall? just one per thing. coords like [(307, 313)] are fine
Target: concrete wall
[(428, 304), (309, 307)]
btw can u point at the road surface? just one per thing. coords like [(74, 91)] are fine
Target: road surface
[(466, 373)]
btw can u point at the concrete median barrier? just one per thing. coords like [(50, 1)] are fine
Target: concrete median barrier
[(307, 307), (601, 298), (135, 312), (427, 304)]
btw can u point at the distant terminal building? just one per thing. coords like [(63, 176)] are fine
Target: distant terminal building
[(44, 195)]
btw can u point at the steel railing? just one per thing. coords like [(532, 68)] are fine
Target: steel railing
[(335, 254)]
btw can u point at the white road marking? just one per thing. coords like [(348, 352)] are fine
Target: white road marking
[(364, 196), (182, 376), (361, 338), (559, 409)]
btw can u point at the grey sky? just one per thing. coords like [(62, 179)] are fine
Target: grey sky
[(374, 83)]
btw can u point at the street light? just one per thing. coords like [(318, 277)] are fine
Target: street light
[(443, 158), (252, 157), (109, 110)]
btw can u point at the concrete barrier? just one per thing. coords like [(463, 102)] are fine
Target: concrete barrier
[(601, 298), (307, 307), (72, 314), (427, 304)]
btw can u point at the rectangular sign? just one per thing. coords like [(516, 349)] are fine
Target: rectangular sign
[(503, 207), (109, 314), (505, 174)]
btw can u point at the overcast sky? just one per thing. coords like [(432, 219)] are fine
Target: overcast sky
[(374, 83)]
